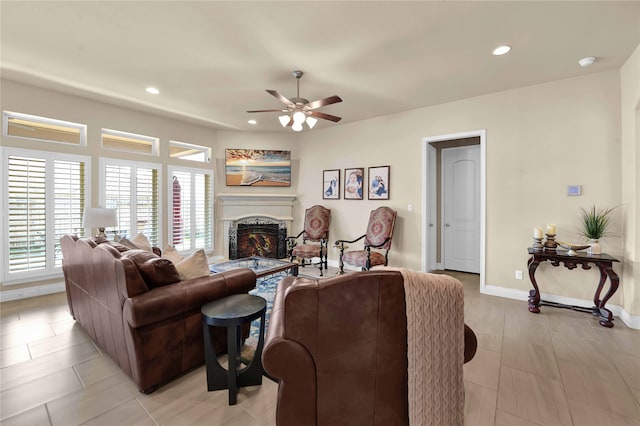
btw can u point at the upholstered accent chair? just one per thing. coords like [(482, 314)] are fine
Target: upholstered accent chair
[(315, 237), (378, 236)]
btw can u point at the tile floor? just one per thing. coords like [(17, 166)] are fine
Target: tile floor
[(555, 368)]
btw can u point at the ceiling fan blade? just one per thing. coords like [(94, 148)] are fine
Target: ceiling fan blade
[(325, 116), (270, 110), (322, 102), (281, 98)]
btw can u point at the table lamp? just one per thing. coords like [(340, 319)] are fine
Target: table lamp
[(99, 218)]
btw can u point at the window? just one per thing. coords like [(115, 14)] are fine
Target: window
[(191, 209), (186, 151), (115, 140), (45, 129), (133, 189), (46, 196)]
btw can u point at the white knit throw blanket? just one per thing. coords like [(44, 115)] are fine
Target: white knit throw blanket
[(435, 351)]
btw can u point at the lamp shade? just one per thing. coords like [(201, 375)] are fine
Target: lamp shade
[(99, 218)]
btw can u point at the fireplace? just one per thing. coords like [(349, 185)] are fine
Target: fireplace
[(257, 237), (238, 210)]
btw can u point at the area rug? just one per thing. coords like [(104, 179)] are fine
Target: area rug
[(265, 288)]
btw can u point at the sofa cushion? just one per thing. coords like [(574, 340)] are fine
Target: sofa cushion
[(120, 247), (156, 271)]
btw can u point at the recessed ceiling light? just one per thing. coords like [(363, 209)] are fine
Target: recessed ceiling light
[(252, 121), (585, 62), (152, 90), (501, 50)]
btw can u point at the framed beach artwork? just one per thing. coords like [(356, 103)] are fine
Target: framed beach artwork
[(331, 184), (378, 183), (257, 167), (353, 181)]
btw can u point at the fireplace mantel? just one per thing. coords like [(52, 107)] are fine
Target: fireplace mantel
[(235, 207)]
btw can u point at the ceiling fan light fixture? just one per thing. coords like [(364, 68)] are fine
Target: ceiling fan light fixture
[(297, 127), (311, 122), (299, 117), (284, 120)]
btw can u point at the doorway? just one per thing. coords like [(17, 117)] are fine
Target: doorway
[(434, 221)]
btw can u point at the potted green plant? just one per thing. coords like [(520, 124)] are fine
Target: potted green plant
[(595, 223)]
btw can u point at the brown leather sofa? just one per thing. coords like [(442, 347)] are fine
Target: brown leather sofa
[(135, 307), (339, 350)]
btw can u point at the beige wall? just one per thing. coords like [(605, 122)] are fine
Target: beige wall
[(539, 140), (630, 171)]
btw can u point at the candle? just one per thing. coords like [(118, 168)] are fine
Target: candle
[(551, 229), (537, 232)]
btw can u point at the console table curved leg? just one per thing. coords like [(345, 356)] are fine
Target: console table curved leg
[(606, 317), (534, 295)]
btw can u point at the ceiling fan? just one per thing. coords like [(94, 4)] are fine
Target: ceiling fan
[(300, 110)]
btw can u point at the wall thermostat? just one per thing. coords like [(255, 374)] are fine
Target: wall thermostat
[(574, 190)]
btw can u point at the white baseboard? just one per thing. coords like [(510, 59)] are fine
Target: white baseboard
[(510, 293), (25, 293)]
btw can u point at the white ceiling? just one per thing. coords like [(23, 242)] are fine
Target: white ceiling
[(213, 60)]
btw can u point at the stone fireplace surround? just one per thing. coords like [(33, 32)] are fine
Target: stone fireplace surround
[(242, 208)]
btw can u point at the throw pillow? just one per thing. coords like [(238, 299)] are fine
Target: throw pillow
[(193, 266), (142, 242), (172, 254), (139, 242), (155, 270)]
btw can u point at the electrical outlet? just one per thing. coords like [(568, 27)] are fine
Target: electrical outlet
[(518, 274)]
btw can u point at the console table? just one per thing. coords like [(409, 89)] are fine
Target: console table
[(603, 262)]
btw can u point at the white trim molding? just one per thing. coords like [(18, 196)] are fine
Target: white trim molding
[(25, 293), (523, 295)]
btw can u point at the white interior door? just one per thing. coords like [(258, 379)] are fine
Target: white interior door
[(461, 208)]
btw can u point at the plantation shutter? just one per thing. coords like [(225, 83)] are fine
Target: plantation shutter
[(26, 214), (191, 209), (69, 193), (46, 194), (181, 220), (132, 188), (117, 195), (146, 207)]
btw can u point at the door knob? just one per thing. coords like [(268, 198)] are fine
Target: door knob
[(447, 225)]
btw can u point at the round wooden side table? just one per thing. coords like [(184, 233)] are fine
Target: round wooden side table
[(231, 312)]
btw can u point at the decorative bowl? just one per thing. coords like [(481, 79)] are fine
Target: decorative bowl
[(572, 248)]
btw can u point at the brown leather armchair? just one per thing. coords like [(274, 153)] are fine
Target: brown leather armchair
[(339, 348)]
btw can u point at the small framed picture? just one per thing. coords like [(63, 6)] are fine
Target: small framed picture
[(378, 188), (353, 183), (331, 184)]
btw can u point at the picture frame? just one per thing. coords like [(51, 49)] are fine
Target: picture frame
[(378, 183), (331, 184), (354, 183), (257, 167)]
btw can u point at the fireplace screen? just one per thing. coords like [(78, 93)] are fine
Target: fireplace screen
[(258, 239)]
